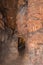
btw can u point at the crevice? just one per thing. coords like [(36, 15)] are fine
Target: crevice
[(21, 45)]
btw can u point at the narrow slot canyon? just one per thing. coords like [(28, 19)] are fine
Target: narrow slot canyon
[(21, 32)]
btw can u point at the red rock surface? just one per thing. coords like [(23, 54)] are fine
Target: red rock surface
[(25, 18)]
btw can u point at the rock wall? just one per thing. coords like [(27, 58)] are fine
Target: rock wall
[(21, 32)]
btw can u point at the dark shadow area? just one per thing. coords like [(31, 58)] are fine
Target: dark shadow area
[(21, 45), (4, 10)]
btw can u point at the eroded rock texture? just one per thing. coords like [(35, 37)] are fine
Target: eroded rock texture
[(21, 32)]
